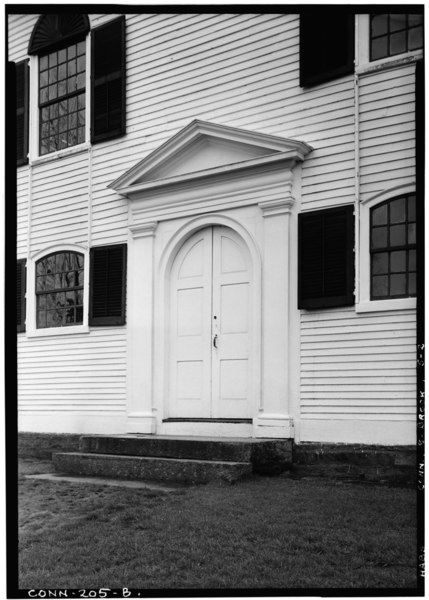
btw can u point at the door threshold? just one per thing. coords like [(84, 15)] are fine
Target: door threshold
[(193, 420)]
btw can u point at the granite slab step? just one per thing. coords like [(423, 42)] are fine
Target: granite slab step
[(266, 455), (176, 470)]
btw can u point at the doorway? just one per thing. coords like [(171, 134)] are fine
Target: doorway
[(211, 327)]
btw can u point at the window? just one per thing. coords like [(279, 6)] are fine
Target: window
[(59, 45), (393, 248), (326, 258), (62, 98), (59, 290), (326, 46), (20, 295), (393, 34)]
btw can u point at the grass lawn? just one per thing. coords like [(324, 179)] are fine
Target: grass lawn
[(259, 533)]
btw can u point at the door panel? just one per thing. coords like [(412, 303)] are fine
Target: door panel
[(190, 339), (210, 327)]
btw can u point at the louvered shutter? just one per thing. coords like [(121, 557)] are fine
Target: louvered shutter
[(107, 285), (22, 113), (108, 81), (326, 42), (326, 258), (20, 295)]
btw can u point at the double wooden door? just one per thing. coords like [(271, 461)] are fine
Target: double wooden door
[(210, 327)]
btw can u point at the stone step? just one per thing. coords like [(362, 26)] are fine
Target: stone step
[(150, 468), (268, 456)]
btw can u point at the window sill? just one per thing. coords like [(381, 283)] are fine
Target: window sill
[(391, 62), (61, 154), (58, 331), (385, 305)]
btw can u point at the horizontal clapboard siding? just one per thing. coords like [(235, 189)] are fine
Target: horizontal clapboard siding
[(60, 203), (22, 213), (82, 373), (358, 366), (386, 130)]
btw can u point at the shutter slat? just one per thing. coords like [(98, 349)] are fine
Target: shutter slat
[(22, 113), (20, 295), (325, 258), (108, 81), (107, 285), (326, 45)]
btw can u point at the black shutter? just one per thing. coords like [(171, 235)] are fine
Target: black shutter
[(22, 70), (326, 46), (20, 295), (107, 285), (108, 81), (326, 258)]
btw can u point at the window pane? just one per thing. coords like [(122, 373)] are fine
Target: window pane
[(81, 135), (71, 51), (41, 302), (398, 22), (53, 75), (62, 110), (53, 59), (81, 101), (71, 68), (81, 48), (379, 215), (411, 208), (44, 95), (80, 81), (62, 88), (379, 48), (81, 64), (71, 85), (379, 237), (380, 285), (62, 71), (62, 124), (379, 25), (50, 300), (380, 263), (44, 78), (412, 284), (53, 92), (398, 285), (72, 105), (397, 235), (41, 320), (412, 233), (412, 260), (398, 43), (397, 211), (53, 111), (398, 261), (62, 55), (40, 283), (415, 38), (43, 63)]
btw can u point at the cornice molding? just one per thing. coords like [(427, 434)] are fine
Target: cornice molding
[(248, 150), (143, 230), (271, 208)]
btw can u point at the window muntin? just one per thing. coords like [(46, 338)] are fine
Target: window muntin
[(393, 34), (393, 248), (62, 98), (59, 290)]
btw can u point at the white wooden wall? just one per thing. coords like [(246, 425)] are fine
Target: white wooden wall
[(241, 71)]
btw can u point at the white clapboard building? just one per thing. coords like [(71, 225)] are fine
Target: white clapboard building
[(216, 222)]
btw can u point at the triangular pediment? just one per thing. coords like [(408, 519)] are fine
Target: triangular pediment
[(202, 149)]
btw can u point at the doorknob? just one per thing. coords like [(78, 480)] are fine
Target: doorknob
[(215, 341)]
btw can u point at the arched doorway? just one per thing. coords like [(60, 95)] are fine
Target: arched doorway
[(211, 327)]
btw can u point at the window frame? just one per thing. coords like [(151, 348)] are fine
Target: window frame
[(364, 303), (363, 62), (32, 330), (73, 288), (389, 33)]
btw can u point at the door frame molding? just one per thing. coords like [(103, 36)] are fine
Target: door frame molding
[(162, 310)]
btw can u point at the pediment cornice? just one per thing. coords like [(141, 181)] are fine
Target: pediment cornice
[(202, 150)]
